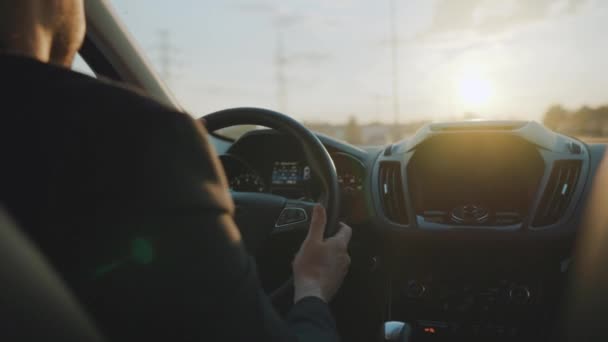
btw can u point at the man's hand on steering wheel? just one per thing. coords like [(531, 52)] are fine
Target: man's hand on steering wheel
[(321, 264)]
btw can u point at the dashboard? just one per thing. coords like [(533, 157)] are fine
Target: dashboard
[(477, 177), (468, 227)]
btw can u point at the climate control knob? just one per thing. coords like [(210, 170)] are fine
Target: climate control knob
[(520, 294), (415, 289)]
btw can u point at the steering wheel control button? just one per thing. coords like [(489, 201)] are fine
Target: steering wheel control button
[(470, 214), (291, 216)]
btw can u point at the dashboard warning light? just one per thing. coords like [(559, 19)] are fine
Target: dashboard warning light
[(429, 330)]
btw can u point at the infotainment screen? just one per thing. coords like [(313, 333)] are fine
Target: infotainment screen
[(498, 173), (289, 173)]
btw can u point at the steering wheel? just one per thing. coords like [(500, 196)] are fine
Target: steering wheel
[(260, 215)]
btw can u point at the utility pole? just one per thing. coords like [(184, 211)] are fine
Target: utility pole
[(282, 22), (395, 66), (280, 62)]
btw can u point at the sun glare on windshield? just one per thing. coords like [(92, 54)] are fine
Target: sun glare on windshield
[(475, 91)]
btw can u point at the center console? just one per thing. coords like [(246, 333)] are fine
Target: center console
[(478, 220), (450, 298)]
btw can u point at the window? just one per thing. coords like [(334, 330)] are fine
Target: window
[(81, 66), (369, 72)]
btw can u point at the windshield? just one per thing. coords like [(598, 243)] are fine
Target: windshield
[(371, 72)]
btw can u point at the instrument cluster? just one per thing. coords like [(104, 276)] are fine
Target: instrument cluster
[(295, 180)]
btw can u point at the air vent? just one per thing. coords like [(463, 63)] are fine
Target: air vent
[(392, 192), (558, 193)]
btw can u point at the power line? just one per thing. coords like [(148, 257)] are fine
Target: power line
[(282, 61), (395, 60)]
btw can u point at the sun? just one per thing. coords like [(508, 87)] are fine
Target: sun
[(475, 91)]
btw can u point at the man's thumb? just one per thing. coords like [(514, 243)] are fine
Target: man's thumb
[(317, 224)]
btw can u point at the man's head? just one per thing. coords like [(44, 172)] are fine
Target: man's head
[(48, 30)]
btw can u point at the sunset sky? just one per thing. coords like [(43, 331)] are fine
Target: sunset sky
[(506, 59)]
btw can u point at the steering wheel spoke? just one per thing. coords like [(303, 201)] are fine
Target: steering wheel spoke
[(256, 215), (259, 215)]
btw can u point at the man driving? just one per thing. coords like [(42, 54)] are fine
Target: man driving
[(127, 200)]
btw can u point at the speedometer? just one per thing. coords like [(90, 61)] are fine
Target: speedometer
[(350, 182), (247, 182), (241, 176)]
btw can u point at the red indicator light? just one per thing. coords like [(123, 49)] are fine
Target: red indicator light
[(429, 330)]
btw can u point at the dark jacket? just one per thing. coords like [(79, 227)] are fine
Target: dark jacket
[(128, 201)]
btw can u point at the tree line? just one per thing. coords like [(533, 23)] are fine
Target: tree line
[(585, 121)]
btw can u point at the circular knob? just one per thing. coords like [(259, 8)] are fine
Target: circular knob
[(470, 214), (520, 294), (415, 289)]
